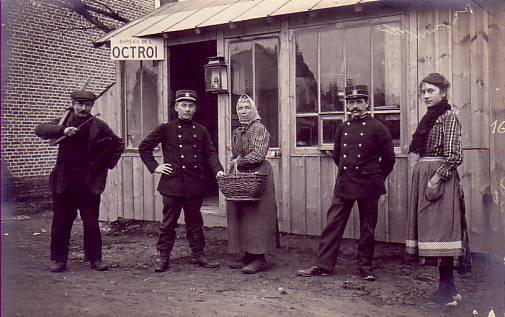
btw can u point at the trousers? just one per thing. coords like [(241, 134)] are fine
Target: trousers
[(65, 206), (331, 237), (172, 207)]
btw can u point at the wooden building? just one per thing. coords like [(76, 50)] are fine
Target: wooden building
[(295, 57)]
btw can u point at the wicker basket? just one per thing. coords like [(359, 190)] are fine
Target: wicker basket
[(240, 186)]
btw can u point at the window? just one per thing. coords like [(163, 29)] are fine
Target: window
[(327, 58), (254, 71), (140, 82)]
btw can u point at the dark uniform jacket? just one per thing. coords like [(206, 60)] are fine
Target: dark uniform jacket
[(187, 146), (364, 154), (84, 161)]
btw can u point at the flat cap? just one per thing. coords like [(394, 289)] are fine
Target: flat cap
[(185, 94), (83, 95), (356, 91)]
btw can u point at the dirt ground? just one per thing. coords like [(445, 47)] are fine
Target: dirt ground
[(130, 288)]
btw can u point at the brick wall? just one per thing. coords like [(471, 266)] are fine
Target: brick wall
[(46, 54)]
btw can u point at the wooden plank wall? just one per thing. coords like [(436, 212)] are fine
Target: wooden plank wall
[(312, 183), (466, 45), (141, 201), (131, 192), (462, 47), (496, 216), (107, 106)]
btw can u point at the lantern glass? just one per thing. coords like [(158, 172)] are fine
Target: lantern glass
[(216, 75), (224, 78)]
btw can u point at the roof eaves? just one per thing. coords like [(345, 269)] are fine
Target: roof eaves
[(125, 27)]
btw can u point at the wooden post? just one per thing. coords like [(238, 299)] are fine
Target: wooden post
[(496, 232), (286, 100), (223, 121)]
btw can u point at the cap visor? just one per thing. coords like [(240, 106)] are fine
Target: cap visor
[(356, 96), (185, 98)]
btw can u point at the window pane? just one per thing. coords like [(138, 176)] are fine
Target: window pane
[(387, 68), (266, 97), (358, 55), (329, 128), (332, 70), (306, 131), (133, 129), (149, 97), (347, 54), (241, 75), (306, 72), (392, 122)]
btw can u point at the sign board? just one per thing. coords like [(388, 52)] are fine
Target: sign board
[(136, 48)]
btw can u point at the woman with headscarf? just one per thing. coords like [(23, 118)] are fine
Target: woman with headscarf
[(436, 232), (251, 224)]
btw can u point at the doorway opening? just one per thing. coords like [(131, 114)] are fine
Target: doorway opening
[(187, 72)]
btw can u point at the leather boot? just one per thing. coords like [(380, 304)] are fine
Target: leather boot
[(314, 271), (58, 267), (203, 261), (162, 264), (241, 262), (367, 274), (98, 265), (257, 265)]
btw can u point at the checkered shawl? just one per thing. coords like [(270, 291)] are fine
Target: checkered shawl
[(444, 140), (250, 143)]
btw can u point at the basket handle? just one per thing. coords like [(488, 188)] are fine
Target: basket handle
[(235, 168)]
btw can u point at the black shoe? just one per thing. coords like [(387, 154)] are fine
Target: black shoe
[(162, 265), (98, 265), (204, 262), (58, 267), (240, 263), (314, 271), (256, 266), (367, 274), (446, 297)]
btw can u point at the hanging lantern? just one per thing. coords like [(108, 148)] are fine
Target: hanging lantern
[(216, 75)]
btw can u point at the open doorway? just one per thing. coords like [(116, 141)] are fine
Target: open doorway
[(187, 72)]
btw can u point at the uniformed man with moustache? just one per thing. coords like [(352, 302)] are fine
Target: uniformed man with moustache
[(364, 155), (188, 153), (89, 148)]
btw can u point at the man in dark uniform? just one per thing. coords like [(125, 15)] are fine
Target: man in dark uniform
[(188, 153), (88, 150), (364, 154)]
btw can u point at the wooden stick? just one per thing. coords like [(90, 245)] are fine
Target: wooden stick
[(63, 137)]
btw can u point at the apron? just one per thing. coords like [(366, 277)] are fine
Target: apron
[(252, 225)]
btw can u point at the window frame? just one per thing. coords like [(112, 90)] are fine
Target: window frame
[(124, 101), (373, 22), (253, 38)]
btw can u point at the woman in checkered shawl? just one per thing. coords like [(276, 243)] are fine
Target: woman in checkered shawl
[(436, 232), (252, 226)]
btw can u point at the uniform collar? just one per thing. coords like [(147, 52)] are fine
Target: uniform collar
[(363, 116), (181, 121)]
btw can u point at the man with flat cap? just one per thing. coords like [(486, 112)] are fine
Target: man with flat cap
[(364, 154), (88, 148), (188, 153)]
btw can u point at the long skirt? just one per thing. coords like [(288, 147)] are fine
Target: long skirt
[(252, 225), (437, 230)]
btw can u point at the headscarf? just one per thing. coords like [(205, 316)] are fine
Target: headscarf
[(420, 136), (254, 109)]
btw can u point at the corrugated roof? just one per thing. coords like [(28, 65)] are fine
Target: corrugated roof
[(192, 14)]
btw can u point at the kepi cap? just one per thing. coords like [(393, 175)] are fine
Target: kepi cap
[(185, 94), (356, 91), (83, 95)]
